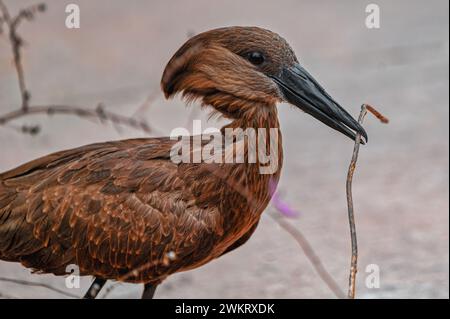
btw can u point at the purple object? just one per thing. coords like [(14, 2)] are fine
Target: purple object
[(283, 207)]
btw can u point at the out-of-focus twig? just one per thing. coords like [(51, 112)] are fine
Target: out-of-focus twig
[(146, 104), (16, 43), (310, 254), (98, 113), (38, 284), (351, 216)]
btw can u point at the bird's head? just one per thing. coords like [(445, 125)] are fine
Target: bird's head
[(239, 70)]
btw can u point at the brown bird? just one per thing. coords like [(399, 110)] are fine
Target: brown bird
[(125, 211)]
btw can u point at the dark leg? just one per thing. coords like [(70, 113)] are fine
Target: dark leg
[(95, 288), (149, 291)]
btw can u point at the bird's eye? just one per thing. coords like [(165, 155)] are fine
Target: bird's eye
[(256, 58)]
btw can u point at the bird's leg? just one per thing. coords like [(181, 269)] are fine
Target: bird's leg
[(149, 291), (95, 288)]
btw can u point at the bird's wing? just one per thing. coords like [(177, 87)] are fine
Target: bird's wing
[(108, 208), (242, 240)]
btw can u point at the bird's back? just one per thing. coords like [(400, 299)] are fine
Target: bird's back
[(115, 207)]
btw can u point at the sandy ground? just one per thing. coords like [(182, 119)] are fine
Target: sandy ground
[(401, 185)]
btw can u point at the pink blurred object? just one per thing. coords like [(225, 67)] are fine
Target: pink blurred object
[(284, 208)]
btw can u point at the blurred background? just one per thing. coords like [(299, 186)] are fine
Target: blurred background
[(401, 186)]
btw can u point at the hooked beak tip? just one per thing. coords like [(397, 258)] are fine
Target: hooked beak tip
[(364, 137)]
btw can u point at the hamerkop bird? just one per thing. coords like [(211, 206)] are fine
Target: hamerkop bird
[(125, 211)]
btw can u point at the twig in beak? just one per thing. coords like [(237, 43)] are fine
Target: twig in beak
[(351, 216)]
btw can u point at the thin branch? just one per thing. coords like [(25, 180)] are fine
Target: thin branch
[(310, 254), (383, 119), (38, 284), (351, 215), (28, 13), (98, 113), (16, 43), (147, 103)]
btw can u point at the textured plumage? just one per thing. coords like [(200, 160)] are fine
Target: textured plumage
[(123, 210), (113, 207)]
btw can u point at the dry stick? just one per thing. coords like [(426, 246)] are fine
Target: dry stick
[(16, 43), (147, 103), (98, 113), (311, 255), (351, 215), (38, 284)]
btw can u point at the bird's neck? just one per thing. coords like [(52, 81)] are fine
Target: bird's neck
[(263, 122), (252, 184), (263, 116)]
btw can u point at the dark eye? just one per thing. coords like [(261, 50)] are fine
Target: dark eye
[(256, 58)]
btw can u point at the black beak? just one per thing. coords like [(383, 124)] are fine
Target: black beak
[(303, 91)]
